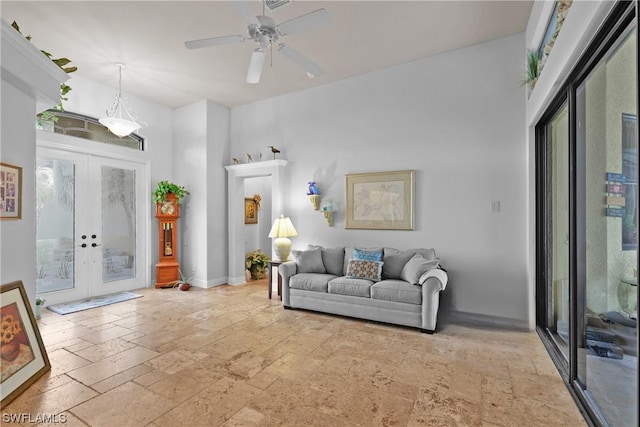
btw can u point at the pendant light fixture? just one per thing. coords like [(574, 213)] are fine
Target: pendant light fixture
[(117, 124)]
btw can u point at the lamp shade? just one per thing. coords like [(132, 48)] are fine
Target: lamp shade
[(282, 227), (119, 127), (281, 230)]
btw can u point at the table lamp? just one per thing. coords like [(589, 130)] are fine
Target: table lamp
[(282, 229)]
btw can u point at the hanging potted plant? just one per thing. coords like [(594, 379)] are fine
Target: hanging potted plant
[(165, 187), (256, 262)]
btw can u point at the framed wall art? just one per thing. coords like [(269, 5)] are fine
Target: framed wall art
[(250, 211), (24, 358), (381, 201), (10, 191)]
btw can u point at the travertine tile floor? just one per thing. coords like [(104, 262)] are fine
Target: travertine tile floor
[(230, 356)]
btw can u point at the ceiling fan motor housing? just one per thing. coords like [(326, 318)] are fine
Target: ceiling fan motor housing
[(266, 33)]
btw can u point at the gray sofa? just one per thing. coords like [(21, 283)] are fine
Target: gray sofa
[(405, 292)]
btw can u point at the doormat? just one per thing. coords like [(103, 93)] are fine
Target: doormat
[(88, 303)]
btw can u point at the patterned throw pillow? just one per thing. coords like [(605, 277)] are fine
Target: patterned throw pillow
[(365, 255), (359, 269)]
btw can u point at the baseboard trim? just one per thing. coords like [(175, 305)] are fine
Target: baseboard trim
[(485, 320), (209, 283)]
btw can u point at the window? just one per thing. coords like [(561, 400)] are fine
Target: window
[(80, 126)]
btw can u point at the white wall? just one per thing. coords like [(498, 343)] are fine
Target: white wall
[(18, 147), (30, 84), (217, 155), (201, 143), (457, 119)]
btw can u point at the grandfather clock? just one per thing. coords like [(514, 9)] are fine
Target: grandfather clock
[(167, 212)]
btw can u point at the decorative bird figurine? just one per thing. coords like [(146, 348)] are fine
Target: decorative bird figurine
[(274, 150), (235, 160), (249, 158)]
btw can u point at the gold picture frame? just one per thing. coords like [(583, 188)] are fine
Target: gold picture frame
[(380, 200), (250, 211), (24, 358), (10, 191)]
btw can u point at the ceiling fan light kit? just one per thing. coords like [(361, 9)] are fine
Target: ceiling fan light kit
[(264, 31), (114, 121)]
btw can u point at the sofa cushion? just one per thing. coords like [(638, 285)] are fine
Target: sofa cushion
[(332, 258), (394, 262), (309, 261), (348, 286), (359, 269), (416, 267), (426, 253), (311, 281), (397, 290), (348, 255), (367, 255)]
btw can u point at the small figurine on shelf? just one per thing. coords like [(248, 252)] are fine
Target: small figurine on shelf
[(235, 160), (327, 210), (314, 195), (274, 150), (313, 188), (249, 158)]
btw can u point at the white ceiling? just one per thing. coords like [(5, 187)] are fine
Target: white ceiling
[(148, 37)]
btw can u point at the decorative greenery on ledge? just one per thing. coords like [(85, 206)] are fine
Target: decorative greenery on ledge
[(50, 116)]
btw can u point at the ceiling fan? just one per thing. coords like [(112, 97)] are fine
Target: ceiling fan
[(265, 32)]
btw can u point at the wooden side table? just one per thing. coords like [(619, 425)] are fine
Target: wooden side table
[(275, 264)]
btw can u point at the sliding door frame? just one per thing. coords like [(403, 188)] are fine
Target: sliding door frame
[(614, 26)]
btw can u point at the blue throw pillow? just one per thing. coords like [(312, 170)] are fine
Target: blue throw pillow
[(365, 255)]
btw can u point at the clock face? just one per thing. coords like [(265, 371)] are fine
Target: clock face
[(167, 207)]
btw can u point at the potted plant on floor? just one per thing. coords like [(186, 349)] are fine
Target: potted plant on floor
[(183, 283), (39, 304), (256, 262)]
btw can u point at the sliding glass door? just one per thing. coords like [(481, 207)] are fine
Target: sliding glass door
[(587, 196)]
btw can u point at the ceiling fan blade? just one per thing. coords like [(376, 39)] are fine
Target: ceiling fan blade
[(242, 7), (306, 22), (255, 66), (214, 41), (312, 69)]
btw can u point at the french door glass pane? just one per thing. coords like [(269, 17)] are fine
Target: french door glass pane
[(55, 199), (118, 224), (558, 228), (607, 131)]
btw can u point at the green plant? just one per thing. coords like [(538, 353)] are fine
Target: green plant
[(257, 260), (40, 301), (50, 115), (164, 187), (182, 279), (533, 61)]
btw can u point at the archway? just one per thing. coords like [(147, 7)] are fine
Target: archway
[(235, 186)]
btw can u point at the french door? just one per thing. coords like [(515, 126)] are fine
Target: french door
[(90, 225)]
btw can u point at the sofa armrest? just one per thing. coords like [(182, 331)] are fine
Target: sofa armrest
[(431, 302), (286, 270)]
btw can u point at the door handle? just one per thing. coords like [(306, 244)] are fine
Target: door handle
[(93, 245), (84, 245), (93, 236)]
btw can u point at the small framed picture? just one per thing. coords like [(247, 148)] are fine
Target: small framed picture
[(24, 358), (10, 191), (250, 211)]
